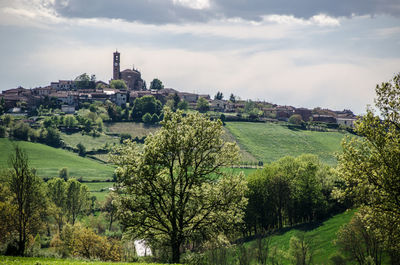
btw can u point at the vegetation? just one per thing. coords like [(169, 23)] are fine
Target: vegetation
[(156, 84), (118, 84), (203, 105), (170, 187), (269, 142), (48, 161), (370, 168)]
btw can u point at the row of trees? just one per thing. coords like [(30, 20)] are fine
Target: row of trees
[(288, 192)]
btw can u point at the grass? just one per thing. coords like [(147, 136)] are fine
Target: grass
[(269, 141), (5, 260), (132, 128), (90, 142), (98, 186), (48, 161)]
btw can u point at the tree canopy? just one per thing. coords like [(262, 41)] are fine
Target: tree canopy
[(174, 188), (203, 105), (118, 84), (156, 84), (370, 166)]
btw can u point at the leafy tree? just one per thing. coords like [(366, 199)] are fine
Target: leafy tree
[(232, 98), (53, 137), (83, 81), (3, 131), (154, 118), (183, 105), (57, 193), (203, 105), (295, 119), (78, 200), (147, 118), (219, 96), (300, 250), (174, 187), (176, 99), (70, 121), (370, 166), (27, 198), (118, 84), (156, 84), (81, 149), (2, 106), (20, 131), (143, 105), (110, 209), (63, 174)]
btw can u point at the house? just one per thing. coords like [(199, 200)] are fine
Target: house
[(346, 121)]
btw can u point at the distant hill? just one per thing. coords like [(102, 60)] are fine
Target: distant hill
[(48, 161), (270, 141)]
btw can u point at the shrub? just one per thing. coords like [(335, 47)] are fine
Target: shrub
[(81, 149), (2, 131), (147, 118)]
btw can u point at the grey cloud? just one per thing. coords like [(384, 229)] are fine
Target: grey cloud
[(164, 11)]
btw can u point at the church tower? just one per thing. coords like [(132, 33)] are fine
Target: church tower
[(116, 65)]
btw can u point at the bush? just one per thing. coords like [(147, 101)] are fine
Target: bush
[(147, 118), (81, 149), (124, 136), (2, 131), (20, 131)]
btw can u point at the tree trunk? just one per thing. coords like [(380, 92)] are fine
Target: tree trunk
[(176, 254)]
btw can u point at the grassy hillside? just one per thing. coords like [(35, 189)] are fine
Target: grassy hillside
[(90, 142), (132, 128), (269, 141), (48, 161)]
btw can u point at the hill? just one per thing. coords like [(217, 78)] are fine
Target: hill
[(270, 141), (48, 161)]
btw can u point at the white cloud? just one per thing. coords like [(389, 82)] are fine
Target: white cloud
[(194, 4), (320, 20)]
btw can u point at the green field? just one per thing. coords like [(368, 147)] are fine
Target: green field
[(48, 161), (132, 128), (51, 261), (269, 141), (321, 237), (90, 142)]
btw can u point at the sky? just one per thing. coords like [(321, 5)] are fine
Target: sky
[(303, 53)]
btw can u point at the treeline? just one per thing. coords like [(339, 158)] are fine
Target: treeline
[(35, 214)]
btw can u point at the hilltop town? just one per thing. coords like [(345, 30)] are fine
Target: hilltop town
[(70, 95)]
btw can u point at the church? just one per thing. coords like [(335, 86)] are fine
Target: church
[(131, 77)]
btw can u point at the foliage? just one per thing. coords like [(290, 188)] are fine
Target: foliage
[(3, 131), (118, 84), (147, 118), (143, 105), (295, 119), (300, 250), (288, 192), (232, 98), (78, 199), (370, 166), (203, 105), (57, 194), (175, 188), (156, 84), (70, 121), (81, 149), (360, 242), (63, 173), (83, 81), (110, 209), (219, 96), (27, 195), (183, 105), (20, 131)]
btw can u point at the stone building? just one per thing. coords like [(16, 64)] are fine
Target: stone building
[(132, 77)]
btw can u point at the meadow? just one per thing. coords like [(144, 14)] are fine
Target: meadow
[(133, 128), (91, 143), (48, 161), (270, 141)]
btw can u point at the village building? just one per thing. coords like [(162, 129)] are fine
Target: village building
[(132, 77)]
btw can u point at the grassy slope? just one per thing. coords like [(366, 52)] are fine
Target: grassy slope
[(132, 128), (322, 237), (48, 161), (269, 142), (90, 142), (51, 261)]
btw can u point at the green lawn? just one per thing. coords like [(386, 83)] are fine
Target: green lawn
[(269, 141), (51, 261), (48, 161), (90, 142)]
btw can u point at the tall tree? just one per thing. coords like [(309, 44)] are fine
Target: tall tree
[(203, 105), (370, 166), (219, 96), (118, 84), (174, 187), (56, 190), (78, 199), (28, 197), (156, 84)]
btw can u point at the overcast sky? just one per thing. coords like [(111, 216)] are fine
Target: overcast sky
[(304, 53)]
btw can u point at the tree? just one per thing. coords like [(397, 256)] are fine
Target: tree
[(300, 250), (78, 199), (57, 193), (370, 166), (110, 208), (63, 174), (232, 98), (118, 84), (81, 149), (147, 118), (156, 84), (203, 105), (174, 187), (183, 105), (143, 105), (219, 96), (83, 81), (295, 119), (28, 198), (177, 100)]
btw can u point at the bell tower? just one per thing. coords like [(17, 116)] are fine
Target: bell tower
[(116, 65)]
